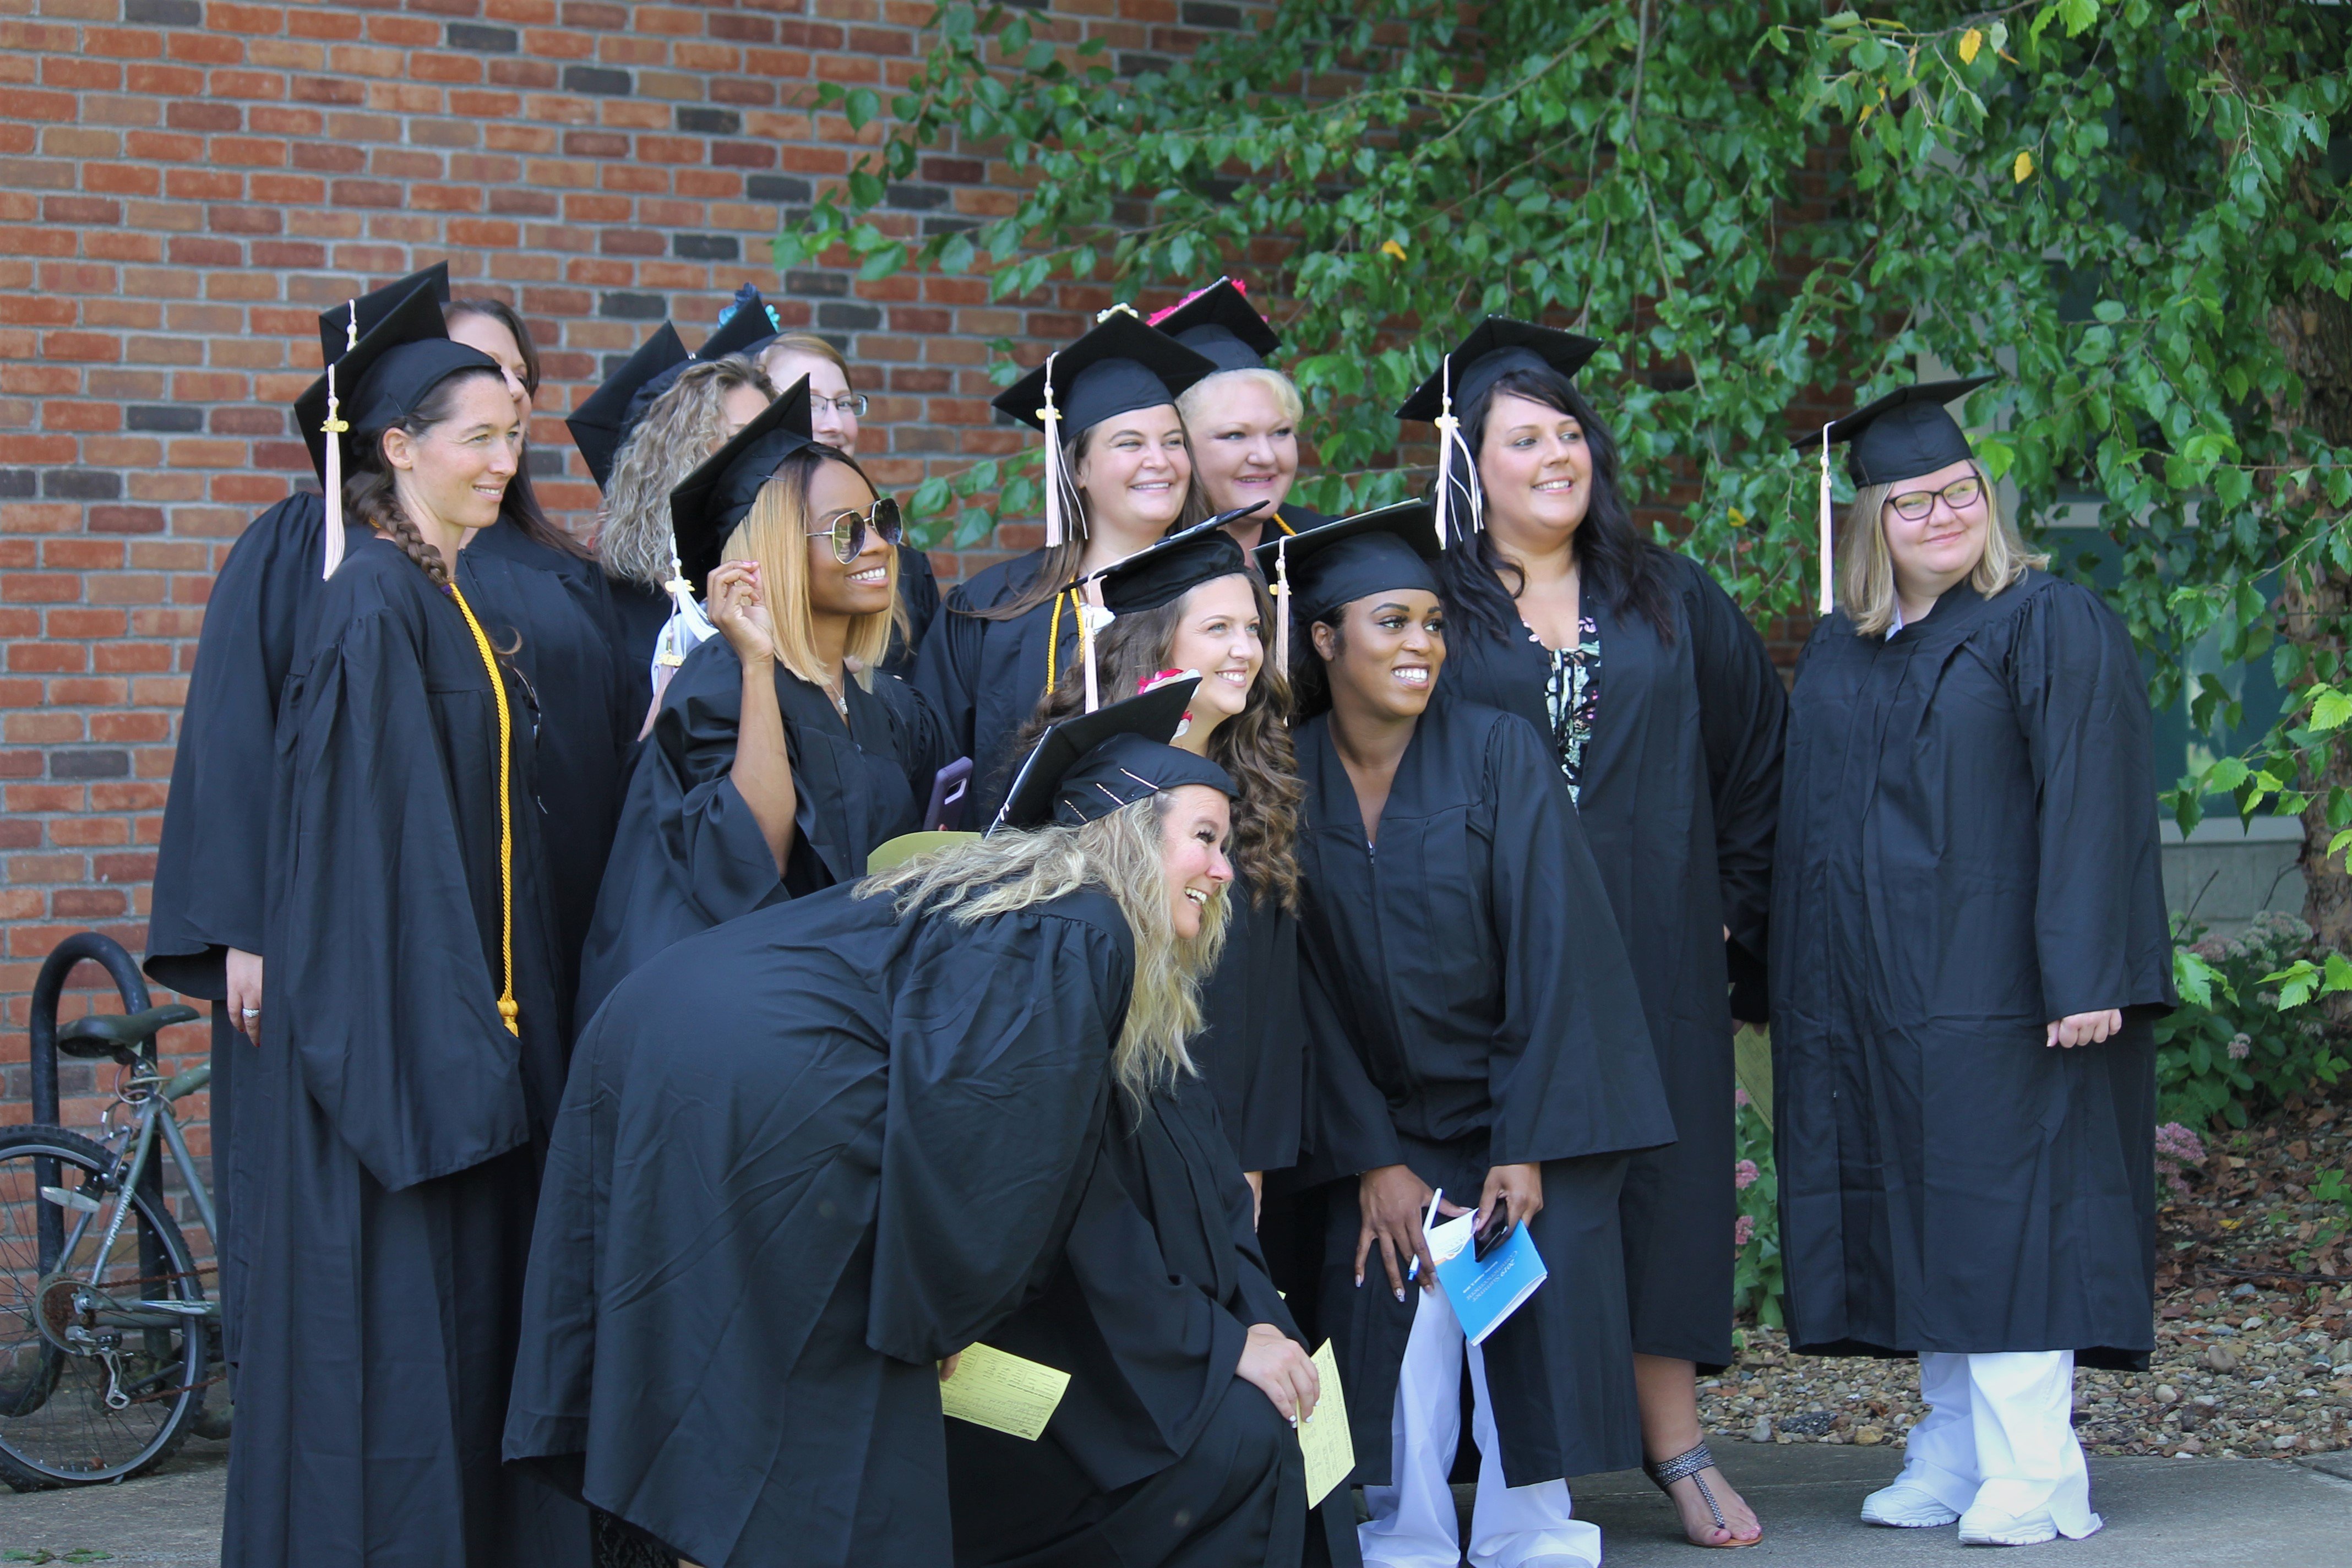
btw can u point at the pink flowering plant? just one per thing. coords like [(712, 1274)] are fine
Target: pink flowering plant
[(1755, 1234), (2244, 1037)]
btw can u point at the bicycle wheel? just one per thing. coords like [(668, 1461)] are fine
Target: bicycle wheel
[(97, 1383)]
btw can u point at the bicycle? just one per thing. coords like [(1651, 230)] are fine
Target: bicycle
[(108, 1341)]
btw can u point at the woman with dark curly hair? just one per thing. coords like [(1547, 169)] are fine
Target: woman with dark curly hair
[(1190, 604), (1663, 715)]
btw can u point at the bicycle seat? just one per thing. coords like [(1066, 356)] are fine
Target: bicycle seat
[(98, 1036)]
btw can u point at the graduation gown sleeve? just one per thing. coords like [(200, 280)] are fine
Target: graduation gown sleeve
[(965, 1211), (1348, 1128), (1743, 719), (947, 671), (1569, 1071), (419, 1080), (211, 869), (2099, 922)]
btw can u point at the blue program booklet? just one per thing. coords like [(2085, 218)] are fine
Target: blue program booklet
[(1483, 1294)]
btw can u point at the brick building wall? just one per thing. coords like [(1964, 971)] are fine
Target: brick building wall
[(184, 183)]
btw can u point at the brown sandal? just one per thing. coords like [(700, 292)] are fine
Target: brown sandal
[(1687, 1466)]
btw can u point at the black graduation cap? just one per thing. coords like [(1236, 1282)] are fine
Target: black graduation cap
[(1903, 435), (1496, 347), (1118, 366), (335, 326), (749, 324), (708, 502), (602, 424), (1220, 322), (1372, 553), (415, 319), (1175, 566), (1090, 766)]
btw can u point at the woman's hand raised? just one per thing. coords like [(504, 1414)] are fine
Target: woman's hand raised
[(740, 610)]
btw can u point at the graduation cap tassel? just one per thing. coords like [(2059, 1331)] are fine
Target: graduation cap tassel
[(333, 430), (1827, 604), (1089, 610), (1446, 425), (1282, 607), (1051, 418)]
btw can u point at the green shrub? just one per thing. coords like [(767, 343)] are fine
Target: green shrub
[(2243, 1038), (1755, 1234)]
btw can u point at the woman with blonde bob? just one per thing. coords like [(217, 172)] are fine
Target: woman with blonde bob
[(808, 1159), (1242, 421), (1969, 949), (779, 756)]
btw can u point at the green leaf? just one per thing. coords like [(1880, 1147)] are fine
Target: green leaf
[(862, 105), (2330, 709)]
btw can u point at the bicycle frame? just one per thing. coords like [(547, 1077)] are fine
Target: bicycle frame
[(151, 1100)]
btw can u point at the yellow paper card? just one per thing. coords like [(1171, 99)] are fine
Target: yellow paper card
[(1006, 1392), (1330, 1451)]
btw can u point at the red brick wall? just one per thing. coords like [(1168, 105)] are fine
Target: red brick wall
[(184, 183)]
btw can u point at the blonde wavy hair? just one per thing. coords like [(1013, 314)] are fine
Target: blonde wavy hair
[(775, 534), (1865, 571), (1007, 873), (633, 528)]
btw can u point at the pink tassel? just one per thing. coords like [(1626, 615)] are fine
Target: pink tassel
[(1828, 603), (334, 429)]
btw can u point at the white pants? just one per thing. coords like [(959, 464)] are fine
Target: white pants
[(1999, 1431), (1413, 1522)]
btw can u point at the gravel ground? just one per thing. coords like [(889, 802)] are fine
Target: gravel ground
[(2245, 1367)]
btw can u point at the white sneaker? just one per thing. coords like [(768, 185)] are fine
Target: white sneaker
[(1989, 1527), (1906, 1507)]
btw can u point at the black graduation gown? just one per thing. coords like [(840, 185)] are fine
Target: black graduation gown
[(211, 889), (555, 611), (1158, 1455), (690, 854), (1251, 1045), (397, 1125), (985, 677), (1678, 798), (918, 595), (1469, 1005), (1968, 850), (785, 1181)]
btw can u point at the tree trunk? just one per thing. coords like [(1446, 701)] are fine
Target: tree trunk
[(2314, 333)]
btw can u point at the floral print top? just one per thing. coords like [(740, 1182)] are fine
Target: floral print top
[(1573, 697)]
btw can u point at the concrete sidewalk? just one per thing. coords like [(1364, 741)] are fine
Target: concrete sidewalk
[(2160, 1513)]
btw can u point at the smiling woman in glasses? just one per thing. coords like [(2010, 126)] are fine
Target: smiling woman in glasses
[(780, 755)]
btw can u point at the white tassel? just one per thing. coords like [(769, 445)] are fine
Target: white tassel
[(333, 430), (687, 629), (1092, 618), (1282, 606), (1828, 603), (1051, 418), (1446, 425)]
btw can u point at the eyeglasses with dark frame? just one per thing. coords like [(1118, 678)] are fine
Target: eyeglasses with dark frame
[(1913, 505), (847, 529)]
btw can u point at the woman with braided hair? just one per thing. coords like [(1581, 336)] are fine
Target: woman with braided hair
[(398, 1112)]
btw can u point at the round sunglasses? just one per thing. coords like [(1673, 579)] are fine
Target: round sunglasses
[(847, 529)]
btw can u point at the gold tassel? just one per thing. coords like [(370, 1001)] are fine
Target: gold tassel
[(334, 429), (1827, 603), (1282, 605), (510, 1011)]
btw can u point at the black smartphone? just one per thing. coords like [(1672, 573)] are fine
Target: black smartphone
[(1495, 1232)]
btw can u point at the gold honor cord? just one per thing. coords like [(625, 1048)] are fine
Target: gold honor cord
[(1054, 629), (508, 1010)]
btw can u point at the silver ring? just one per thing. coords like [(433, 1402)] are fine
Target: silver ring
[(253, 1012)]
